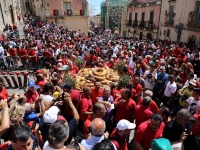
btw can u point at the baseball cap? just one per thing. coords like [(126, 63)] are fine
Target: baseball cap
[(193, 82), (152, 63), (31, 83), (37, 87), (38, 71), (197, 116), (68, 85), (125, 124), (51, 115)]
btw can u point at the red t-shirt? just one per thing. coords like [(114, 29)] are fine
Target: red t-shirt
[(196, 129), (115, 93), (96, 94), (144, 134), (32, 53), (12, 52), (125, 110), (74, 70), (153, 106), (75, 96), (31, 96), (138, 89), (123, 143), (24, 52), (183, 77), (85, 105), (19, 50), (87, 125), (142, 114), (47, 55), (40, 83), (3, 94), (133, 92)]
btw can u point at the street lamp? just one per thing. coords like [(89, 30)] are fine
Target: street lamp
[(178, 30)]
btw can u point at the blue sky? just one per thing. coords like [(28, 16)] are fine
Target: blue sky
[(96, 4)]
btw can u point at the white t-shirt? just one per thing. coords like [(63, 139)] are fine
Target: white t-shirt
[(170, 89), (194, 107), (131, 65), (149, 82), (48, 147)]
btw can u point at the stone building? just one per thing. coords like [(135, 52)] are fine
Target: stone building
[(142, 19), (179, 21), (9, 12)]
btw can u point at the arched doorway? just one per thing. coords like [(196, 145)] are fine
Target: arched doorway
[(192, 40), (141, 35), (149, 36)]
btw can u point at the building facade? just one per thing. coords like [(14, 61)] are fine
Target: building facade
[(180, 21), (72, 14), (95, 20), (142, 19), (9, 12)]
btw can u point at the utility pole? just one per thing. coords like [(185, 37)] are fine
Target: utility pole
[(92, 10)]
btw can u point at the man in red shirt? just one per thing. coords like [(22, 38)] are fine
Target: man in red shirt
[(31, 94), (23, 55), (13, 53), (147, 131), (99, 111), (125, 106), (85, 104), (33, 57), (96, 92), (75, 97), (73, 69), (137, 86), (47, 55), (118, 135), (113, 91), (142, 112), (152, 106), (40, 80)]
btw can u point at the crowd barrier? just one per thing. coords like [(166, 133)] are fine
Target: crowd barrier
[(11, 80)]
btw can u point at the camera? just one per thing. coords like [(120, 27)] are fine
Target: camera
[(150, 75), (185, 97)]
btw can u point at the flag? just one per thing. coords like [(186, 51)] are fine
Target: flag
[(69, 12), (55, 12), (82, 12)]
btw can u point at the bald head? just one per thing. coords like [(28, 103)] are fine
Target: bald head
[(98, 127), (87, 90)]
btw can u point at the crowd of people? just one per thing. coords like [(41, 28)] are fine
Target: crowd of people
[(158, 109)]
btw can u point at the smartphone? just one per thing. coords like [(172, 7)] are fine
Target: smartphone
[(63, 96)]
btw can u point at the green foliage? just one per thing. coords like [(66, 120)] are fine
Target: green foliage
[(119, 67), (123, 81), (79, 63), (69, 79), (115, 28)]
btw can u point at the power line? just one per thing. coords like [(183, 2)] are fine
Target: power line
[(92, 10)]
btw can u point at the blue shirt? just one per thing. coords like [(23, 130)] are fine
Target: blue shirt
[(163, 78), (89, 143)]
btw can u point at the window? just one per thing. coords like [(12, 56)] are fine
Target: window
[(168, 33), (143, 14), (136, 14), (130, 18), (151, 17), (66, 6), (164, 32), (197, 13)]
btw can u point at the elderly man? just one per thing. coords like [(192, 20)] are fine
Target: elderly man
[(174, 130), (147, 131), (107, 100), (96, 91), (98, 127)]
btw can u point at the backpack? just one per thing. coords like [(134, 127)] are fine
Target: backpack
[(161, 144)]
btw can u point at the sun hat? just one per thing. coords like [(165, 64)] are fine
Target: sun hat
[(51, 115), (193, 82)]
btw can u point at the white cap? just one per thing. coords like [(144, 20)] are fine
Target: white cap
[(114, 56), (51, 115), (125, 124)]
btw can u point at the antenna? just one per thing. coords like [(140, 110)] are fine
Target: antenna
[(92, 10)]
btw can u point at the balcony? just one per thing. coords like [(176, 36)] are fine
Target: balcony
[(134, 23), (128, 22)]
